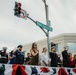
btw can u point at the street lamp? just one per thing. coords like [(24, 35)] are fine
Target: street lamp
[(48, 24)]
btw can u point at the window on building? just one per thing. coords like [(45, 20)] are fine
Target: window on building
[(58, 47), (71, 46)]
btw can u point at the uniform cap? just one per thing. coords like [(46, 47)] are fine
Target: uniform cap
[(4, 48), (19, 46)]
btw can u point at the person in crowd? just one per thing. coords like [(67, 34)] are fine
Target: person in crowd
[(8, 57), (54, 57), (4, 55), (59, 60), (74, 61), (19, 56), (11, 57), (34, 54), (45, 60), (70, 59), (28, 58), (65, 55)]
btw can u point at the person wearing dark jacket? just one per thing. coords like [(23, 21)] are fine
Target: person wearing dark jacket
[(19, 56), (28, 58), (54, 57), (11, 57), (65, 55), (4, 56)]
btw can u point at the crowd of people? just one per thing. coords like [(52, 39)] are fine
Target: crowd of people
[(51, 59)]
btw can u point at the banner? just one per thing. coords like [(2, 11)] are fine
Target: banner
[(7, 69)]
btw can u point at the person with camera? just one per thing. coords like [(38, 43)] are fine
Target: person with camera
[(4, 55)]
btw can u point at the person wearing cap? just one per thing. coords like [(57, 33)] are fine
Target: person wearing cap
[(19, 56), (4, 55), (65, 55), (54, 57)]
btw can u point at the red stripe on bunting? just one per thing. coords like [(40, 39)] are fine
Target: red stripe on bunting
[(44, 69), (62, 72), (74, 70), (14, 67), (22, 68)]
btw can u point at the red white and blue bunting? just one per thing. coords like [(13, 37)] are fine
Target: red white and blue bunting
[(7, 69)]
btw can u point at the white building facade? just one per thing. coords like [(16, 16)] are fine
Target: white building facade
[(62, 40)]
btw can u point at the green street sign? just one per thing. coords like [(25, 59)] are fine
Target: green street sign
[(43, 26)]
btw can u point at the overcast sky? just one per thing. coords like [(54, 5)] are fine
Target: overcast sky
[(15, 31)]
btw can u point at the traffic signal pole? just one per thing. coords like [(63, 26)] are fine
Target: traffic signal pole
[(47, 23), (36, 23), (18, 11)]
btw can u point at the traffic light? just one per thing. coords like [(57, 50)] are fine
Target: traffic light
[(17, 9)]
